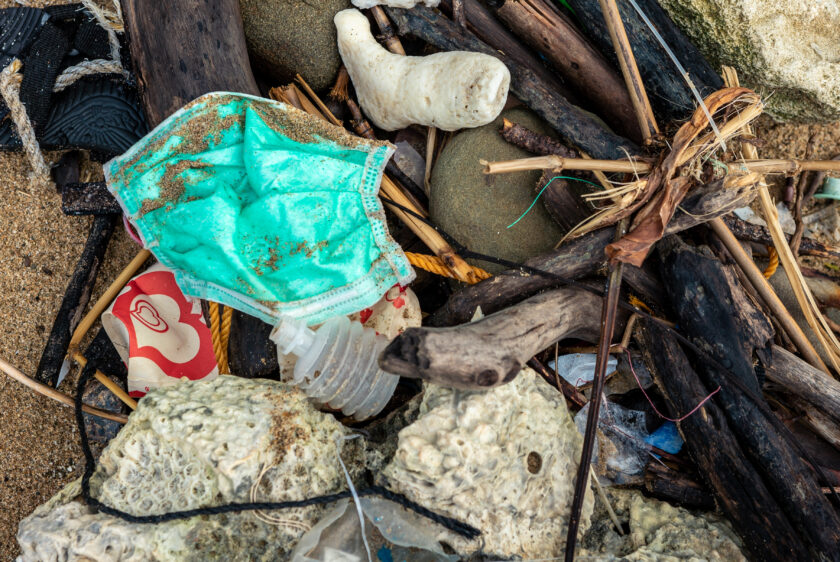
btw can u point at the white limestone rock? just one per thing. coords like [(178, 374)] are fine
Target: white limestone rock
[(193, 445), (787, 50), (501, 460)]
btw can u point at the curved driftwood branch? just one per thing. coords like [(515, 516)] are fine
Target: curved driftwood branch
[(493, 350)]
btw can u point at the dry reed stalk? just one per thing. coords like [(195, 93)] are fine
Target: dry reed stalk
[(553, 161), (389, 36), (12, 372), (781, 166), (325, 111), (342, 81), (629, 69), (110, 294), (762, 166), (803, 294), (107, 383)]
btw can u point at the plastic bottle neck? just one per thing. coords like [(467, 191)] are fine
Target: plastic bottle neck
[(292, 336)]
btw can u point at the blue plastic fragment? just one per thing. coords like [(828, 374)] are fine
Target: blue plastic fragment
[(666, 438)]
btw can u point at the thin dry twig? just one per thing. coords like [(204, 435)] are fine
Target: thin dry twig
[(12, 372), (648, 127)]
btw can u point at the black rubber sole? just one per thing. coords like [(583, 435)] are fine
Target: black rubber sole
[(99, 115)]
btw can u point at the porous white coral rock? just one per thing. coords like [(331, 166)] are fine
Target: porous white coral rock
[(450, 90), (502, 460), (658, 532), (194, 445)]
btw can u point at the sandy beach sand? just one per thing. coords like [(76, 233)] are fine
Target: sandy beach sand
[(39, 246)]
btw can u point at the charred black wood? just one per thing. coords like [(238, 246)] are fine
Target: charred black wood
[(75, 299), (668, 92), (91, 198), (676, 487), (250, 353), (713, 311), (739, 490)]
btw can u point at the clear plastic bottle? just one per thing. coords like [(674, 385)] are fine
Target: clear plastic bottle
[(337, 364)]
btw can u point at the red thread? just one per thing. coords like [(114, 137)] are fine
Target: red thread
[(697, 407)]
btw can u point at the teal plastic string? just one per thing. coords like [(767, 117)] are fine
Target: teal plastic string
[(537, 198)]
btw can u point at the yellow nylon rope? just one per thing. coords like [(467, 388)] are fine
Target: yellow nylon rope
[(227, 315), (434, 264), (214, 332), (773, 264)]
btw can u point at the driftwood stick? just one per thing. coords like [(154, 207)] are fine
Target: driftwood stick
[(817, 420), (569, 121), (488, 29), (527, 139), (580, 257), (739, 490), (761, 235), (798, 377), (493, 350), (542, 26), (702, 295)]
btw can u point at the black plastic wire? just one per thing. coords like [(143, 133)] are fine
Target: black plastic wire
[(463, 529)]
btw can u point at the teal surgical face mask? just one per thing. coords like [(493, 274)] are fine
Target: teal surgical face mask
[(259, 206)]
